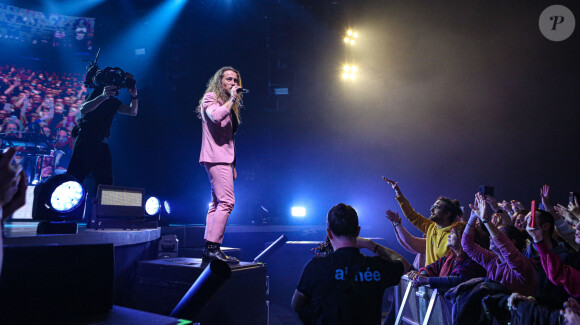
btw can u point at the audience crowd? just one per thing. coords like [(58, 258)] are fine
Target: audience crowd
[(499, 263), (43, 105)]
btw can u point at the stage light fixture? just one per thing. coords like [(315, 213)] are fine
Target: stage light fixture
[(350, 38), (67, 196), (167, 208), (164, 212), (152, 206), (119, 207), (58, 204), (298, 211), (349, 72)]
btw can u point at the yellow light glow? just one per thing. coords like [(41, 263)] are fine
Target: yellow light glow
[(346, 39), (353, 68), (347, 68), (355, 35), (349, 32), (345, 75), (351, 42), (352, 76)]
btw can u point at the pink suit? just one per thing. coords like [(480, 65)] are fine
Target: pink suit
[(217, 155)]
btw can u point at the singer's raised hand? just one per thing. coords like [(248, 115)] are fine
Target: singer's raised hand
[(234, 91)]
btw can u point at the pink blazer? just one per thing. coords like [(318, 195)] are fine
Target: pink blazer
[(217, 138)]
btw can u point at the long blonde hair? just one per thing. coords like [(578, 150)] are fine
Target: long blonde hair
[(214, 85)]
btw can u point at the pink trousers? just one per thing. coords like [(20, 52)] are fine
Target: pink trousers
[(221, 177)]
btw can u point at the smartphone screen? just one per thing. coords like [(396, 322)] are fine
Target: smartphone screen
[(486, 190), (572, 195)]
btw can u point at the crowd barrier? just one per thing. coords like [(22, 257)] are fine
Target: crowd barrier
[(422, 305)]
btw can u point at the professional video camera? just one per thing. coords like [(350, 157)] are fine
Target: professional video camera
[(108, 76)]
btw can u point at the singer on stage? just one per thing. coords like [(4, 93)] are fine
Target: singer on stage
[(219, 111)]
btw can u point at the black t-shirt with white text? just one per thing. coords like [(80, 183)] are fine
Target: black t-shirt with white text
[(347, 287)]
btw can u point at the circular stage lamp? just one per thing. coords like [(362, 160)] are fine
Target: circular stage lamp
[(152, 206), (164, 212), (167, 208), (58, 204), (67, 196)]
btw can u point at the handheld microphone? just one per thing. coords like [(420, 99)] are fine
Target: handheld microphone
[(242, 90)]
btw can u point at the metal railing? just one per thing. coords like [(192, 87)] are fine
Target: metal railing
[(423, 305)]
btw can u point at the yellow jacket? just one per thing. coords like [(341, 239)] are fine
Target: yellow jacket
[(436, 237)]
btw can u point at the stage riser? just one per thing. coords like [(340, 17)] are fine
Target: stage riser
[(250, 239), (197, 252), (241, 300)]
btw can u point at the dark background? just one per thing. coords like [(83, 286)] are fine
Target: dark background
[(450, 95)]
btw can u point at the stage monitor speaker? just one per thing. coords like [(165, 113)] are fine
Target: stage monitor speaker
[(53, 281), (161, 284)]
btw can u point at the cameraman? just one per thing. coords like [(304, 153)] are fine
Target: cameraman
[(91, 153)]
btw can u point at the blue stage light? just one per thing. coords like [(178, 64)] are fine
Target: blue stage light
[(67, 196), (145, 37), (58, 204), (152, 206), (298, 211), (69, 7), (167, 207)]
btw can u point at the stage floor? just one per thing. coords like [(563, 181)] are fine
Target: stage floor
[(24, 233)]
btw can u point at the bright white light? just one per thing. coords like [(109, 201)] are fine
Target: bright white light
[(353, 69), (346, 68), (351, 42), (35, 182), (345, 75), (355, 35), (298, 211), (346, 39), (152, 206), (349, 32), (167, 207), (352, 76), (67, 196)]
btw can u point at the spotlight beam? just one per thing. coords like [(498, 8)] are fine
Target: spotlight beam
[(70, 7), (147, 33)]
